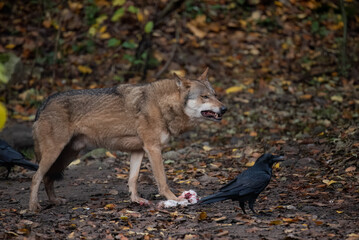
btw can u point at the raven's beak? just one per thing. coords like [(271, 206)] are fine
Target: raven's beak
[(278, 159)]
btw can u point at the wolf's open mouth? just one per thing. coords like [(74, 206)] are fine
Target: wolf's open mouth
[(212, 115)]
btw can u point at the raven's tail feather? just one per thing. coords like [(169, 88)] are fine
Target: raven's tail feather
[(217, 197), (26, 164)]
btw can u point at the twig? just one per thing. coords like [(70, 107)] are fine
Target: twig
[(56, 49), (172, 55), (344, 42), (146, 42)]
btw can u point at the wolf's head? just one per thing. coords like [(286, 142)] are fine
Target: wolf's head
[(200, 98)]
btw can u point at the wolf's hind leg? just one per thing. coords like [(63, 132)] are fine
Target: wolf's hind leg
[(135, 165), (67, 155)]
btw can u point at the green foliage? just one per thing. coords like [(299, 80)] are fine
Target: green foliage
[(87, 46), (193, 8), (149, 27), (113, 42), (129, 45), (90, 12), (269, 23), (133, 9), (118, 14)]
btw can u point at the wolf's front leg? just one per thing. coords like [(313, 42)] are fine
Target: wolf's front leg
[(135, 165), (155, 156)]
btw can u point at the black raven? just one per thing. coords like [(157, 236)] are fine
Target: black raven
[(247, 185), (9, 157)]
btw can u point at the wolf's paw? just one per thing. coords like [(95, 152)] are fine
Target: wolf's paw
[(34, 207), (58, 201), (141, 201)]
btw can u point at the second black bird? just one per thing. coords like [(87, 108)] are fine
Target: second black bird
[(9, 157), (248, 185)]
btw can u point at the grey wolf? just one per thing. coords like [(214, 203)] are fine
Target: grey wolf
[(247, 185), (134, 118)]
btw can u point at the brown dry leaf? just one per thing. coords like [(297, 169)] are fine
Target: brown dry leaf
[(306, 97), (222, 233), (252, 230), (202, 216), (196, 31), (351, 169), (121, 176), (275, 222)]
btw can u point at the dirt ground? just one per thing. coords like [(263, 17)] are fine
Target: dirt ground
[(98, 204)]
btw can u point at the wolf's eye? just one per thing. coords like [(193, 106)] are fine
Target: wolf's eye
[(205, 97)]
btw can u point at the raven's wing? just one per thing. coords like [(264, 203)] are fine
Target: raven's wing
[(248, 182), (11, 157), (8, 154)]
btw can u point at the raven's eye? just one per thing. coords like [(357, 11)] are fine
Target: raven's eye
[(205, 97)]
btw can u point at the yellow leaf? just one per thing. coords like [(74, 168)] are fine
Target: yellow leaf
[(277, 165), (105, 35), (306, 97), (71, 235), (275, 222), (10, 46), (180, 73), (76, 162), (108, 154), (278, 3), (339, 211), (3, 115), (74, 6), (101, 19), (250, 164), (235, 89), (328, 183), (337, 98), (84, 69), (140, 17), (118, 2), (207, 148), (93, 29), (102, 29), (110, 206), (124, 217), (121, 176), (202, 216)]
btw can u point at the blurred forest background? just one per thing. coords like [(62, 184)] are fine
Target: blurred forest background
[(287, 69)]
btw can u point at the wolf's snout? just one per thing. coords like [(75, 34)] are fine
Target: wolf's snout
[(223, 109)]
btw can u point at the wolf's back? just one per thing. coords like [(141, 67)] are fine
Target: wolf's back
[(93, 92)]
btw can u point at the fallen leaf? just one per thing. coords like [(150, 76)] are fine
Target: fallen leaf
[(350, 169), (235, 89), (337, 98), (110, 206), (197, 32), (329, 182), (84, 69)]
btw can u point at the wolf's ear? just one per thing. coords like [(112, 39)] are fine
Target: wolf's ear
[(181, 82), (204, 76)]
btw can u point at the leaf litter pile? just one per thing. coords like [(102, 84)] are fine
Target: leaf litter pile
[(277, 66)]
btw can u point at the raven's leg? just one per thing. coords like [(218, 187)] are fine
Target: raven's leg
[(241, 204), (251, 203), (8, 172)]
